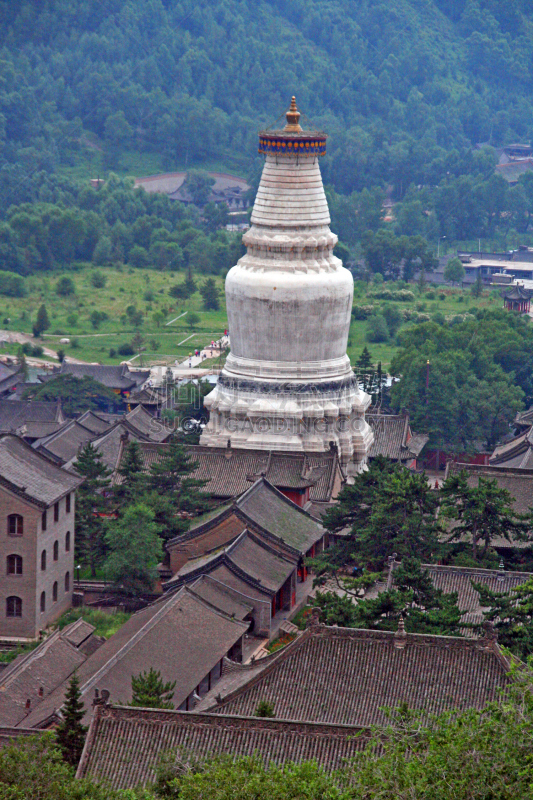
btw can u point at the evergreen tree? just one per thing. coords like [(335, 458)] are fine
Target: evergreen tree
[(131, 471), (70, 732), (149, 691), (190, 284), (171, 490), (483, 513), (135, 549), (511, 613), (210, 294), (90, 544), (42, 323), (388, 509), (414, 597)]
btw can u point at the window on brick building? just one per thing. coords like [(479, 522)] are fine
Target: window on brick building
[(67, 504), (43, 521), (56, 511), (54, 592), (13, 606), (14, 565), (67, 581), (43, 601), (56, 550), (15, 525), (67, 541), (43, 560)]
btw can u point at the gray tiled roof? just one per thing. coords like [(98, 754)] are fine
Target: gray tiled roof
[(64, 444), (93, 422), (218, 595), (263, 509), (250, 558), (113, 377), (517, 453), (147, 425), (271, 510), (31, 475), (229, 471), (393, 437), (44, 669), (347, 676), (125, 745), (15, 413), (182, 636)]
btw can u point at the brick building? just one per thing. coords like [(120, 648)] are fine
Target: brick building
[(37, 502)]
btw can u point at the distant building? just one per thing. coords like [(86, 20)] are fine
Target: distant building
[(37, 503), (517, 299), (228, 189), (394, 439)]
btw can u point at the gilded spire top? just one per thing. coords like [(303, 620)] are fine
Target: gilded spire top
[(293, 118)]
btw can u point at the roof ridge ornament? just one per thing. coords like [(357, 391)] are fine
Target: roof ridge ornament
[(293, 118), (400, 637)]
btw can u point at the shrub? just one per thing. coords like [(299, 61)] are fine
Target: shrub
[(439, 318), (126, 350), (430, 295), (98, 280), (75, 343), (72, 319), (12, 285), (401, 296), (377, 330), (112, 352), (442, 296), (149, 295), (65, 287), (362, 312)]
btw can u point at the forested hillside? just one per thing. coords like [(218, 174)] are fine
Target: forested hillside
[(404, 89)]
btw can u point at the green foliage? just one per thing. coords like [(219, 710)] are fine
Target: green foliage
[(105, 624), (198, 184), (65, 287), (210, 294), (135, 550), (76, 394), (90, 545), (388, 509), (483, 513), (32, 768), (192, 319), (264, 709), (171, 491), (149, 691), (479, 374), (511, 613), (98, 279), (454, 270), (376, 329), (70, 733), (12, 285), (42, 323)]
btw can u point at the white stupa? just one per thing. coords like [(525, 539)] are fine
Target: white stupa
[(287, 383)]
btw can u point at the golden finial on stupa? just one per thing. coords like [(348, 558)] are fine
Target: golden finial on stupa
[(293, 117)]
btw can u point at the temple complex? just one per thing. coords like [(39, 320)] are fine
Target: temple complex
[(288, 384)]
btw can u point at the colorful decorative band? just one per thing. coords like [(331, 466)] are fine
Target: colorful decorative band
[(306, 147)]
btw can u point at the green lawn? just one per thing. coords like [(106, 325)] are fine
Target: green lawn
[(147, 290)]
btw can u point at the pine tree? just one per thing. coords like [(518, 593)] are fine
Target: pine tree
[(135, 549), (172, 490), (189, 284), (90, 544), (210, 294), (70, 732), (131, 471), (42, 323), (149, 691)]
